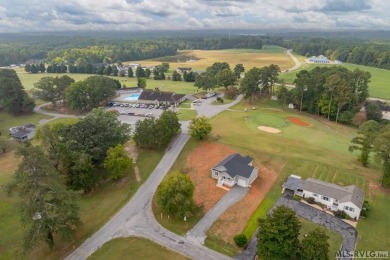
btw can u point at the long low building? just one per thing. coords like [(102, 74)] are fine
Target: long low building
[(349, 198), (161, 98)]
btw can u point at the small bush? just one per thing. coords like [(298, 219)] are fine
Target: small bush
[(297, 198), (311, 200), (366, 208), (340, 214), (219, 99), (240, 240)]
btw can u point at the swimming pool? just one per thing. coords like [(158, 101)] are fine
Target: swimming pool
[(132, 97)]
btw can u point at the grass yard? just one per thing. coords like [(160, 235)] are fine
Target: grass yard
[(335, 240), (378, 87), (96, 208), (186, 114), (135, 248), (199, 60), (8, 120)]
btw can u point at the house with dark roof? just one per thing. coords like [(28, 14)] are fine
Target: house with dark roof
[(235, 169), (161, 98), (23, 133), (349, 198)]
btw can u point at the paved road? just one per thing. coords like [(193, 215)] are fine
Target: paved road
[(198, 233), (296, 61), (347, 232), (136, 217)]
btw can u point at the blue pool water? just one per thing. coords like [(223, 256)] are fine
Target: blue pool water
[(132, 97)]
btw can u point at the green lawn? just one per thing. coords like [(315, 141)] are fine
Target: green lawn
[(96, 208), (9, 120), (135, 248), (378, 87), (186, 114), (335, 240)]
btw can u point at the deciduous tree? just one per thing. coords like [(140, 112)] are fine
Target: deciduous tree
[(382, 149), (315, 245), (200, 127), (117, 162), (373, 112), (175, 195), (278, 235), (226, 78), (238, 69), (205, 81)]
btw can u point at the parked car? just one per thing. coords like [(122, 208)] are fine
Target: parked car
[(137, 105), (151, 106), (126, 105), (109, 104)]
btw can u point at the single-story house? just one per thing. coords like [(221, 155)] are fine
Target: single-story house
[(349, 198), (23, 133), (181, 70), (235, 169), (161, 98), (319, 59)]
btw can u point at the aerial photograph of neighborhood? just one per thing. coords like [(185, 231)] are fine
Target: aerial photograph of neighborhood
[(194, 129)]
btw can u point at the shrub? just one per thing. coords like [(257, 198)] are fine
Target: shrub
[(340, 214), (219, 99), (366, 208), (311, 200), (240, 240), (297, 198), (346, 117)]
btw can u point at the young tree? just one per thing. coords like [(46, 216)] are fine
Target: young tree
[(176, 76), (278, 235), (27, 68), (117, 162), (200, 127), (148, 72), (364, 141), (46, 207), (42, 68), (145, 133), (115, 70), (226, 78), (373, 112), (5, 144), (175, 195), (250, 84), (139, 72), (315, 245), (141, 82), (382, 149), (238, 69), (164, 66)]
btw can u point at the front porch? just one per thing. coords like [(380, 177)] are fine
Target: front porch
[(225, 181)]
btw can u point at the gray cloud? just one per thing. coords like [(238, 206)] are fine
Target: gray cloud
[(346, 6)]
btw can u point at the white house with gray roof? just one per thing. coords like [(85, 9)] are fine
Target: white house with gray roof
[(235, 169), (349, 198)]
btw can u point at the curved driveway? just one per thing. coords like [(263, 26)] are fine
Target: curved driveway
[(136, 217)]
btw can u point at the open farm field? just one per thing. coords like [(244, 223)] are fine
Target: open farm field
[(317, 149), (378, 87), (199, 60)]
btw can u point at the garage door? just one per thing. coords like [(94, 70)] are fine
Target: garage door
[(242, 183)]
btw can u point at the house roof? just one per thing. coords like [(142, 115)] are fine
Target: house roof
[(342, 194), (293, 183), (20, 134), (235, 165), (160, 96)]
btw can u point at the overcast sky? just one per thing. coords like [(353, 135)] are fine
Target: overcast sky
[(130, 15)]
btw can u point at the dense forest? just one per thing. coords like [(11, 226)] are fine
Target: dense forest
[(80, 50)]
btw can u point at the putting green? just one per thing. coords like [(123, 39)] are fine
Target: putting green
[(255, 119)]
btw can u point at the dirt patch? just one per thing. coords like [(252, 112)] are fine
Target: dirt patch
[(297, 121), (234, 220), (199, 163), (269, 129)]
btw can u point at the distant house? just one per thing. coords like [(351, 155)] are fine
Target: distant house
[(161, 98), (349, 199), (23, 133), (233, 170), (134, 65), (319, 59), (181, 70)]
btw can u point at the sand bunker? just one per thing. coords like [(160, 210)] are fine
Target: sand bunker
[(297, 121), (269, 129)]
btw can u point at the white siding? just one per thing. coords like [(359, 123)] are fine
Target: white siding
[(352, 214)]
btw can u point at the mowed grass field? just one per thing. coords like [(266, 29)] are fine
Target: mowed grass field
[(96, 208), (135, 248), (378, 87), (199, 60), (319, 151)]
